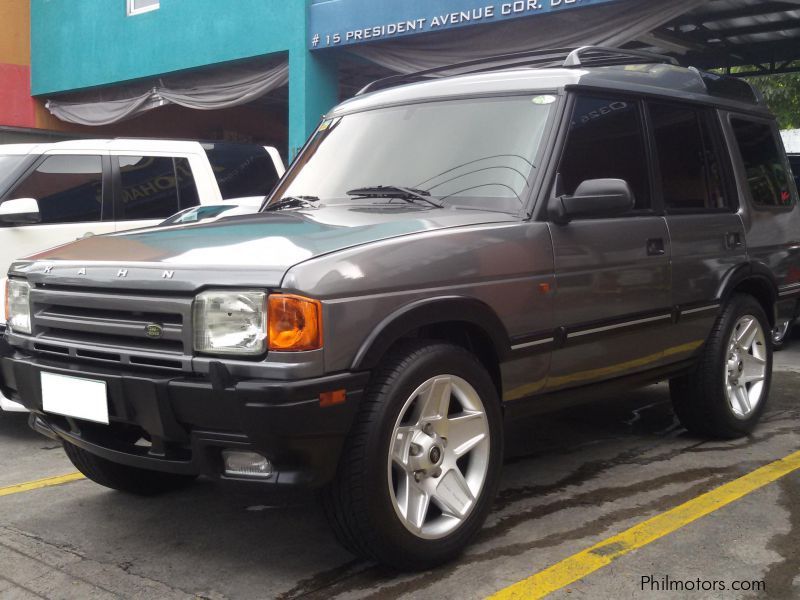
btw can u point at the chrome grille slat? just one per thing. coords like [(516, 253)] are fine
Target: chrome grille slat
[(112, 327)]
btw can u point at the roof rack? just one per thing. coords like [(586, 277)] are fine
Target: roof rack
[(594, 56)]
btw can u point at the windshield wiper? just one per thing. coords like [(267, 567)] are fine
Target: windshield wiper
[(293, 202), (395, 191)]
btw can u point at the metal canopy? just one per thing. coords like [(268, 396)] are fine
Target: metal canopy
[(763, 37)]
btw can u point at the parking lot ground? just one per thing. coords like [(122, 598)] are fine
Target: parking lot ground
[(572, 480)]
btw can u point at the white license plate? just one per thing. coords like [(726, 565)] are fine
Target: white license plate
[(75, 397)]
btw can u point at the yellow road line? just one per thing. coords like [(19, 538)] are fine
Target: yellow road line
[(40, 483), (604, 553)]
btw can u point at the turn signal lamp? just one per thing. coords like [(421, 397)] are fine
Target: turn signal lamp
[(295, 323)]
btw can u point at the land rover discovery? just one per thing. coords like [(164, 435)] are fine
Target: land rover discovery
[(446, 255)]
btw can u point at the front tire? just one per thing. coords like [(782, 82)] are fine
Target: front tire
[(123, 478), (421, 467), (726, 393)]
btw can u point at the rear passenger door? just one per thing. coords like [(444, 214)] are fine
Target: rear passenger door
[(148, 189), (701, 208), (612, 274)]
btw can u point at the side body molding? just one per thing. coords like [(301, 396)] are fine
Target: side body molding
[(431, 311)]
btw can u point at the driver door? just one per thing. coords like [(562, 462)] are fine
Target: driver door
[(612, 273)]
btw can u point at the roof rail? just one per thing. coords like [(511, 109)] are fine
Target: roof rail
[(595, 56), (603, 54), (526, 58)]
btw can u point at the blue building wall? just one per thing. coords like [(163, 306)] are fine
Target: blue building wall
[(78, 44)]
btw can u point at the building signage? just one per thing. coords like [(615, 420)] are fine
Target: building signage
[(334, 23)]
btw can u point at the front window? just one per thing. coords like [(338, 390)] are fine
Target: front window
[(10, 167), (476, 153)]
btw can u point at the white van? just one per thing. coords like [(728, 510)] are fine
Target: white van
[(52, 194)]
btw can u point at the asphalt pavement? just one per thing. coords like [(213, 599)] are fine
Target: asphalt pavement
[(573, 480)]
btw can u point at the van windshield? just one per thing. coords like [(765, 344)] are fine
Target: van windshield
[(10, 169), (476, 153)]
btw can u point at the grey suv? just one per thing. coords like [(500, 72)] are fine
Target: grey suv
[(445, 254)]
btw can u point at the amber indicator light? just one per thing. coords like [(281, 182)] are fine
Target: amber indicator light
[(294, 323), (333, 398)]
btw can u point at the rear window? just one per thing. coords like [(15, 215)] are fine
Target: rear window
[(242, 170), (155, 187), (764, 164), (794, 163)]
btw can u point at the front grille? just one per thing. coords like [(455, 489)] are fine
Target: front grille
[(112, 327)]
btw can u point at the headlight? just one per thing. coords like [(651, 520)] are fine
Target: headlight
[(230, 322), (18, 305)]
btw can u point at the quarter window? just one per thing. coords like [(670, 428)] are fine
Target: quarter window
[(606, 142), (767, 176), (69, 189), (136, 7), (155, 187), (691, 177)]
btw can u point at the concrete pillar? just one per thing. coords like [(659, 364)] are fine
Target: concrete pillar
[(313, 91)]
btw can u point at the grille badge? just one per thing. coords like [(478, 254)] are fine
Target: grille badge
[(154, 331)]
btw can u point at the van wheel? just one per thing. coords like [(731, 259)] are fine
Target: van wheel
[(123, 478), (422, 464), (726, 393)]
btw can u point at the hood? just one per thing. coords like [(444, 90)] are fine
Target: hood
[(271, 242)]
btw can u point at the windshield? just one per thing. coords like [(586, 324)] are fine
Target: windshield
[(477, 153), (9, 169)]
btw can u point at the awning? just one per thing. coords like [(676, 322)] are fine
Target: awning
[(613, 24), (210, 89)]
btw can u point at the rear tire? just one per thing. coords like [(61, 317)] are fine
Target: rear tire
[(726, 393), (123, 478), (422, 464)]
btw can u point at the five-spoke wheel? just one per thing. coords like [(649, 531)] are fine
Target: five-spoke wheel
[(439, 456)]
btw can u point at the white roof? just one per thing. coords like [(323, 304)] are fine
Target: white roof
[(107, 145)]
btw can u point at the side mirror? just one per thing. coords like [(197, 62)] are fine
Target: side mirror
[(593, 198), (22, 211)]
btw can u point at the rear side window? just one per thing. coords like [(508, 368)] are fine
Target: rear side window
[(69, 189), (242, 170), (606, 141), (691, 176), (155, 187), (767, 176)]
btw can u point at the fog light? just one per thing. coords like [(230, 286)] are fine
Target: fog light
[(246, 464)]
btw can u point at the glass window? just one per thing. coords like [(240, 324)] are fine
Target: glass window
[(152, 188), (691, 176), (473, 153), (69, 189), (605, 141), (763, 162), (794, 163), (11, 167), (136, 7), (187, 186), (242, 170)]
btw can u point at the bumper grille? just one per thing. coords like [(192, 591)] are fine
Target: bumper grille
[(112, 327)]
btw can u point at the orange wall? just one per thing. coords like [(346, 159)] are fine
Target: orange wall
[(17, 107)]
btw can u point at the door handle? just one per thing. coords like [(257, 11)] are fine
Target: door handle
[(655, 247), (733, 239)]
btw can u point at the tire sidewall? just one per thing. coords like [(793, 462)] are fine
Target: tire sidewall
[(737, 308), (435, 360)]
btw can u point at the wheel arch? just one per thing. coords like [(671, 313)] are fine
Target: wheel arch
[(755, 279), (466, 321)]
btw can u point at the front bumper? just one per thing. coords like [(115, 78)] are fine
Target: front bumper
[(187, 421)]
